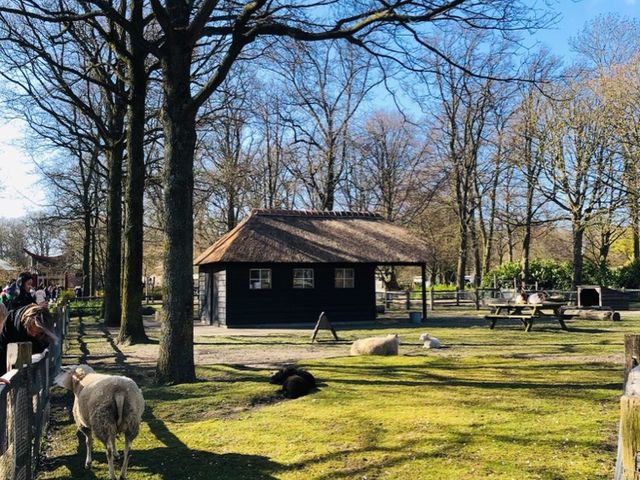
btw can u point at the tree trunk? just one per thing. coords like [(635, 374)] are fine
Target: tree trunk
[(175, 361), (577, 237), (86, 253), (131, 326), (462, 256), (526, 248), (635, 231), (475, 247), (114, 241), (94, 269), (231, 212)]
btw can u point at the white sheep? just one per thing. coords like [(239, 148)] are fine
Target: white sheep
[(376, 346), (104, 405), (429, 341)]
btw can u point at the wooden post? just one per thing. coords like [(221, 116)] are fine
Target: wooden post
[(423, 271), (477, 298), (629, 435), (631, 354), (457, 298), (407, 301), (18, 355), (431, 301), (629, 412), (495, 281)]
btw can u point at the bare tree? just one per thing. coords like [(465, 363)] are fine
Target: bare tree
[(325, 85), (579, 163), (209, 37), (393, 166)]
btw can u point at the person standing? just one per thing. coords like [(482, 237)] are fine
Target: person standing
[(24, 297)]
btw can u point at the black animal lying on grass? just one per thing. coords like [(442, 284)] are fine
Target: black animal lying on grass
[(296, 382)]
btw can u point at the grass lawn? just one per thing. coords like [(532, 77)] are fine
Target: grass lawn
[(495, 404)]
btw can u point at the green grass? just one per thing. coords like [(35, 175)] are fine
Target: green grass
[(496, 404)]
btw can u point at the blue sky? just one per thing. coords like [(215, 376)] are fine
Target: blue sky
[(20, 194), (575, 14)]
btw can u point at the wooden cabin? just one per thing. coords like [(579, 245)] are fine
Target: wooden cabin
[(287, 266)]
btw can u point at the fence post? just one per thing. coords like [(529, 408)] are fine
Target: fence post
[(477, 298), (631, 354), (457, 298), (630, 435), (431, 301), (629, 430), (19, 357), (408, 299)]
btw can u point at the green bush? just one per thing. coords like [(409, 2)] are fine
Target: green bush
[(85, 307), (549, 274), (628, 276), (503, 274)]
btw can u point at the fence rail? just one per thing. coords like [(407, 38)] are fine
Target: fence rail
[(24, 403), (476, 298)]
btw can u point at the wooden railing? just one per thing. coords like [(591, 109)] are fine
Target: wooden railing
[(24, 402)]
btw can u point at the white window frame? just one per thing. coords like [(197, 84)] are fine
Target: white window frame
[(259, 278), (344, 280), (306, 280)]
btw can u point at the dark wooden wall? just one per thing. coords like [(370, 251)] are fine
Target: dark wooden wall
[(284, 304)]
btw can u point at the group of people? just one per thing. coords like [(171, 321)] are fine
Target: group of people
[(24, 317), (18, 292)]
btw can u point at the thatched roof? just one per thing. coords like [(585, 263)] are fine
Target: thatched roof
[(290, 236)]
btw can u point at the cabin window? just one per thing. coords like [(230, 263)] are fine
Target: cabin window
[(303, 278), (344, 278), (259, 278)]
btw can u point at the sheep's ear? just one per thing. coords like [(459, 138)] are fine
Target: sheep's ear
[(79, 374)]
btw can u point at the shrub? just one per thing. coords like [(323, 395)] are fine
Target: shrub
[(552, 275), (504, 275), (628, 276)]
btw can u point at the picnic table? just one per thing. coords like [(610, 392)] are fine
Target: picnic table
[(527, 313)]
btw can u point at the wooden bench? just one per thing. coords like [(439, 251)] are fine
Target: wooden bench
[(526, 313)]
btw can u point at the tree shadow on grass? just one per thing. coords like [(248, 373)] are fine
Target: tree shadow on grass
[(177, 460)]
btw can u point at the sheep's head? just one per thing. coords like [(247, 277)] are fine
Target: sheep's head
[(394, 336), (424, 337), (70, 377), (281, 375)]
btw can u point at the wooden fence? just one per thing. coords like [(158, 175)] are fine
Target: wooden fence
[(628, 461), (471, 298), (24, 403)]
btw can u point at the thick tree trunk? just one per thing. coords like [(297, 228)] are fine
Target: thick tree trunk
[(131, 326), (114, 239), (577, 238), (635, 229), (175, 362)]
